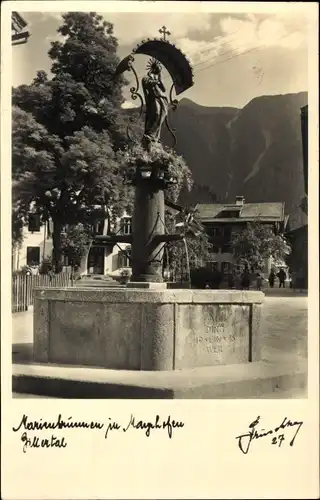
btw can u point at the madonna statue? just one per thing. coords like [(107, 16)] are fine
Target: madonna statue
[(156, 103)]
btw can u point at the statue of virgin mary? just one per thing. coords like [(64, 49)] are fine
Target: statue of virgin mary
[(156, 103)]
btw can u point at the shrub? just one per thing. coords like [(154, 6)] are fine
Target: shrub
[(46, 266)]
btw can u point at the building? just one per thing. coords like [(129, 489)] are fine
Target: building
[(221, 221), (113, 258), (304, 134), (37, 246), (298, 236), (103, 259), (19, 34)]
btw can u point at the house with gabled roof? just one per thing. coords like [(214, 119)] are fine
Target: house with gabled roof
[(222, 220)]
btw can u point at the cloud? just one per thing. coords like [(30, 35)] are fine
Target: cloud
[(196, 50), (51, 15), (274, 31), (132, 27), (204, 37)]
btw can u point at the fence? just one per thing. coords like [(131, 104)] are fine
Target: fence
[(23, 285)]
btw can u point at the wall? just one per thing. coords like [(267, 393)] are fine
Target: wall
[(111, 262), (36, 239), (146, 330), (298, 260)]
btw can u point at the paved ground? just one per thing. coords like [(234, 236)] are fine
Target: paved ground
[(284, 328), (22, 327)]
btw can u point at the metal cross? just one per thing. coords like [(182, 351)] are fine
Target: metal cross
[(164, 32)]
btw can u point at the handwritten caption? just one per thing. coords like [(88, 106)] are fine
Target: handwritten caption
[(276, 435), (28, 440)]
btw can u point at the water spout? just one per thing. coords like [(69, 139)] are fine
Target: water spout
[(187, 258)]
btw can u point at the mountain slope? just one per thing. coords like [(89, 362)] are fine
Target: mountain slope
[(266, 155), (255, 152), (203, 139)]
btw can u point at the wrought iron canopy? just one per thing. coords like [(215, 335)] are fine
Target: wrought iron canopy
[(175, 62)]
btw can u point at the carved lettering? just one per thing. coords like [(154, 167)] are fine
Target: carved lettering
[(217, 327), (228, 339), (214, 348)]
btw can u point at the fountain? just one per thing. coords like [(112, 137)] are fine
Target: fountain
[(146, 326)]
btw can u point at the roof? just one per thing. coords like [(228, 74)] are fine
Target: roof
[(248, 211)]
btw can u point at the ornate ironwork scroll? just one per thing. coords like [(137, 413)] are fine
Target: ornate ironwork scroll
[(134, 91)]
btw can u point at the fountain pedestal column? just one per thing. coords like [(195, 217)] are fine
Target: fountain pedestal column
[(148, 224)]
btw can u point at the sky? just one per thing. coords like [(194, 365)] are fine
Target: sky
[(235, 56)]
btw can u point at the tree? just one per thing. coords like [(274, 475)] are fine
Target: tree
[(88, 176), (74, 243), (66, 130), (17, 222), (191, 253), (257, 242)]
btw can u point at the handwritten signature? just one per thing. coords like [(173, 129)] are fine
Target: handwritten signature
[(245, 440)]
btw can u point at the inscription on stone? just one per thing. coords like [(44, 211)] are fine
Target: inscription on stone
[(215, 343), (212, 334), (218, 327)]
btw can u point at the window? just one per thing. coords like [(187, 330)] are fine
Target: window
[(226, 267), (99, 226), (226, 249), (33, 256), (216, 231), (220, 232), (213, 265), (34, 223), (124, 258), (126, 225)]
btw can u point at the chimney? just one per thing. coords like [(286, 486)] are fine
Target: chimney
[(240, 200)]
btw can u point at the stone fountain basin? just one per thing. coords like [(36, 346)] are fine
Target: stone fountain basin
[(141, 329)]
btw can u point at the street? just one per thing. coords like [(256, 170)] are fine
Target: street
[(284, 326)]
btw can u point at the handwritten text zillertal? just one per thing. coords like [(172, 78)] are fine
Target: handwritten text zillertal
[(32, 430)]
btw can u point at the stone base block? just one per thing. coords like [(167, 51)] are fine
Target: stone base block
[(147, 285), (257, 380), (138, 329)]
